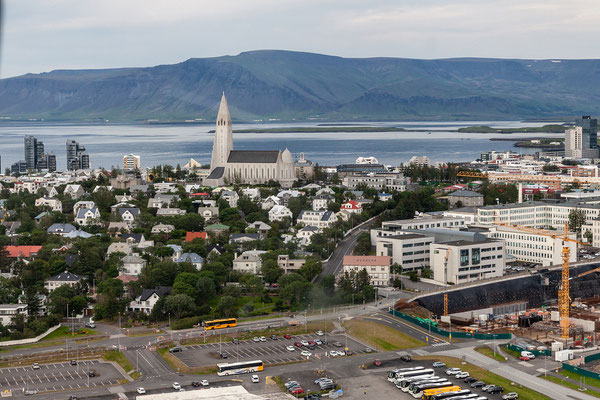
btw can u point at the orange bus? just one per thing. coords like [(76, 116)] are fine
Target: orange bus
[(219, 323)]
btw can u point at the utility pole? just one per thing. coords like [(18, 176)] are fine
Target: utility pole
[(119, 336)]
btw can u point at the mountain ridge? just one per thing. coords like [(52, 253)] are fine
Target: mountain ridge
[(285, 85)]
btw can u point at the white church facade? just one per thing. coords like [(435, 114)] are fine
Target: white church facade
[(245, 166)]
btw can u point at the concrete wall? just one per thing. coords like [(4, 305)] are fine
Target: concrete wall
[(30, 340)]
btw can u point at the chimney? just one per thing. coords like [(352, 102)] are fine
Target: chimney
[(520, 188)]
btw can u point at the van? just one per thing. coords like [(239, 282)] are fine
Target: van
[(528, 354)]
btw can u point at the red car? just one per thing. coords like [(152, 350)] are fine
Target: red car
[(311, 343), (377, 363), (297, 344), (287, 336), (523, 358), (297, 391)]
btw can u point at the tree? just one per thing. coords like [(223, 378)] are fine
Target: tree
[(206, 289), (271, 271), (576, 221), (328, 284), (311, 268), (363, 244), (589, 236), (227, 307), (179, 305)]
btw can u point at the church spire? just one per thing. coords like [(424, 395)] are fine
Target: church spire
[(223, 141), (223, 117)]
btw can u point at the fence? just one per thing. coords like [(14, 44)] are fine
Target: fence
[(581, 371), (30, 340), (591, 357), (443, 332), (536, 353)]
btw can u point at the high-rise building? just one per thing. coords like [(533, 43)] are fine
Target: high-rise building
[(581, 141), (31, 146), (77, 157), (131, 162)]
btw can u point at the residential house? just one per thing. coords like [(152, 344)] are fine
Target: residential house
[(51, 202), (289, 265), (192, 258), (137, 240), (60, 229), (74, 191), (129, 214), (177, 251), (87, 216), (321, 202), (117, 228), (64, 278), (209, 213), (11, 227), (270, 202), (163, 200), (252, 193), (320, 219), (169, 212), (125, 198), (278, 213), (189, 236), (9, 311), (305, 234), (465, 198), (286, 195), (243, 237), (162, 228), (165, 187), (133, 264), (22, 252), (215, 230), (215, 250), (83, 204), (119, 247), (352, 207), (147, 300), (249, 262), (231, 197), (325, 190), (260, 227)]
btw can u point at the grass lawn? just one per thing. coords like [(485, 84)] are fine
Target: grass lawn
[(570, 385), (64, 332), (486, 351), (508, 351), (119, 358), (380, 336), (488, 377)]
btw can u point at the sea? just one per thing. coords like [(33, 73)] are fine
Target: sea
[(176, 144)]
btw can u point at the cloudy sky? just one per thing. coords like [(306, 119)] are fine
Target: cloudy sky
[(42, 35)]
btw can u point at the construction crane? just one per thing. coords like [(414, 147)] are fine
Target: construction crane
[(564, 298), (446, 279), (591, 271)]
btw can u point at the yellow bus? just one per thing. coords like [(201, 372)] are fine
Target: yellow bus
[(429, 393), (219, 323)]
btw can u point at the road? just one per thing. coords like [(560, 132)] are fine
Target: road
[(344, 247)]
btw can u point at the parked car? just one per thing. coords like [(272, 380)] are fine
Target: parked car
[(470, 379), (297, 344), (176, 385), (176, 350), (495, 390), (290, 384), (222, 355), (235, 341), (31, 392), (406, 358), (73, 362), (289, 348), (90, 325), (487, 387), (262, 339), (287, 336), (368, 350), (319, 380), (312, 343), (92, 374), (523, 358), (141, 390), (377, 362), (298, 390), (478, 384), (304, 342), (35, 366), (274, 337), (256, 339), (319, 333), (510, 396), (196, 384), (438, 364), (318, 342), (204, 382), (337, 344), (453, 371), (462, 375), (306, 353), (327, 386), (255, 379)]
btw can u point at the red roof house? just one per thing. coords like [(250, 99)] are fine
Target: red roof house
[(189, 236), (22, 251)]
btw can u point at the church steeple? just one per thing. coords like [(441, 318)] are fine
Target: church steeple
[(223, 142)]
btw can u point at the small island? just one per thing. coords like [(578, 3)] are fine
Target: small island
[(552, 128)]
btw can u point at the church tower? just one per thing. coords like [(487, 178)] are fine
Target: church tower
[(223, 142)]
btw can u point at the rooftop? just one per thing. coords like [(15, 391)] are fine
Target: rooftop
[(367, 260)]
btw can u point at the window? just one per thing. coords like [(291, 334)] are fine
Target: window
[(475, 256), (464, 257)]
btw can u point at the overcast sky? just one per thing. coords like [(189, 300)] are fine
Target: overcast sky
[(42, 35)]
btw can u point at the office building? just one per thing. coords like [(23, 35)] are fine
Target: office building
[(407, 249), (31, 148), (581, 141), (391, 228), (77, 157), (378, 267), (131, 162)]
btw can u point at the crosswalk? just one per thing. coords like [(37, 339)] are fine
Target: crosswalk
[(439, 344)]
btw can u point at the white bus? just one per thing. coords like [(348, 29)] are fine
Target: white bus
[(392, 374), (404, 383), (453, 394), (408, 374), (471, 396), (243, 367)]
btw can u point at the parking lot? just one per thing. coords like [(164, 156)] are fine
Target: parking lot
[(271, 351), (59, 376)]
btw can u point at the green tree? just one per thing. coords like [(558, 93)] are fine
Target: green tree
[(179, 305), (227, 307), (311, 268), (576, 221), (271, 271)]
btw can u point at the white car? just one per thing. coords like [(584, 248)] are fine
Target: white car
[(263, 339), (290, 348), (462, 375), (333, 353), (176, 385), (453, 371), (141, 391), (304, 343), (319, 333), (256, 339), (35, 366), (306, 353), (318, 342), (204, 382), (254, 378)]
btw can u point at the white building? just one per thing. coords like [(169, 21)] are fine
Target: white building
[(249, 262), (8, 311), (390, 228), (87, 216), (131, 162), (288, 264), (581, 141), (305, 235), (231, 197), (162, 200), (420, 161), (320, 219), (409, 250), (162, 228), (64, 278), (148, 299), (463, 261), (169, 212), (352, 207), (133, 264), (378, 267), (53, 203), (74, 191), (367, 160), (320, 202), (279, 213)]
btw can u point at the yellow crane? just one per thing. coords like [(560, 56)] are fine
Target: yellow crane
[(445, 272), (564, 298)]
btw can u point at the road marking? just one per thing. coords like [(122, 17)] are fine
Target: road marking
[(525, 364), (541, 370)]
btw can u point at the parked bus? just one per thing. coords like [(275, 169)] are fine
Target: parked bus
[(414, 384), (404, 383), (471, 396), (429, 394), (243, 367), (447, 395), (408, 374), (392, 374), (418, 391), (219, 323)]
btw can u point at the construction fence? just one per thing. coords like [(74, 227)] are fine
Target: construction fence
[(455, 334), (536, 353)]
